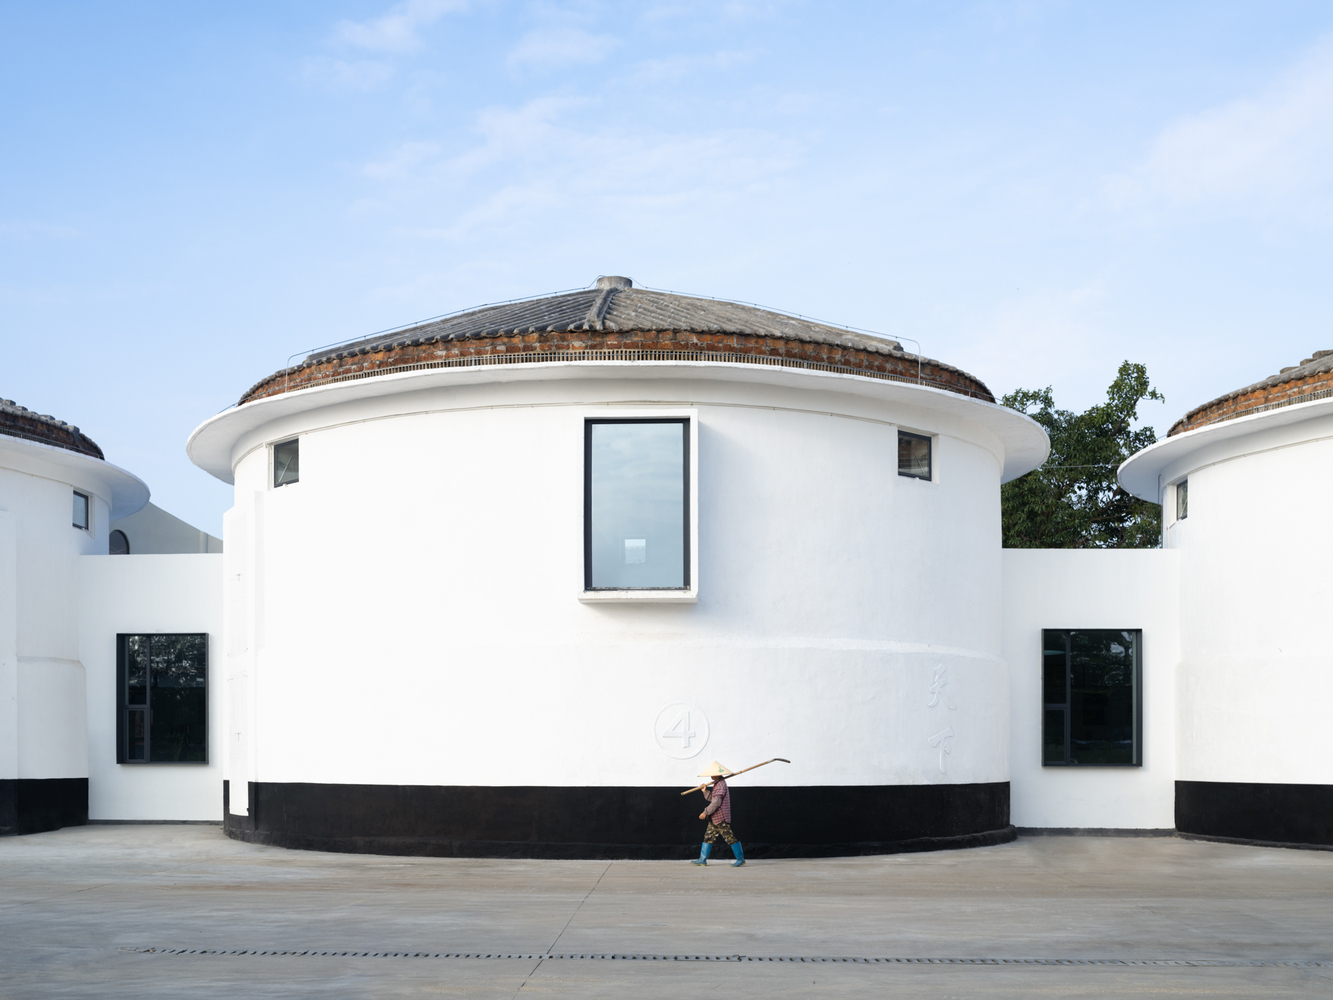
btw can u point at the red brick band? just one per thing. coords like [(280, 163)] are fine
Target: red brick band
[(33, 428), (1298, 390), (567, 345)]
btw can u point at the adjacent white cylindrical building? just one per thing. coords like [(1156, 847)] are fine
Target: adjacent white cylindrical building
[(503, 584), (57, 499), (1245, 482)]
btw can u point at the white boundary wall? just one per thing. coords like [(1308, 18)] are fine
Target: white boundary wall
[(1092, 588), (148, 593), (152, 531)]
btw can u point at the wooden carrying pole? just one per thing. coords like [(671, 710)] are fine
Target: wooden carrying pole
[(699, 788)]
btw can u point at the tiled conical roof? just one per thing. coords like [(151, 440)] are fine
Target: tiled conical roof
[(20, 422), (633, 323), (1312, 379), (621, 308)]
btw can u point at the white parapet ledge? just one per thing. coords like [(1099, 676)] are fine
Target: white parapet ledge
[(123, 491), (690, 596), (213, 446), (1146, 472)]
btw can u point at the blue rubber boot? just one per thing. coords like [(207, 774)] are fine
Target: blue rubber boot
[(703, 855), (740, 855)]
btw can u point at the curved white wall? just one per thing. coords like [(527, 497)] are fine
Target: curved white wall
[(43, 728), (408, 612), (1256, 676), (43, 701)]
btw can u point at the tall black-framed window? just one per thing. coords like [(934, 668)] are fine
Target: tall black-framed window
[(1182, 500), (1092, 697), (162, 698), (636, 504), (287, 462), (914, 458), (81, 508)]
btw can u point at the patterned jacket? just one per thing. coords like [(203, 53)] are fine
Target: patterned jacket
[(719, 802)]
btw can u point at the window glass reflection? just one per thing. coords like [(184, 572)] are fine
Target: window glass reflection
[(287, 462), (136, 670), (1101, 700), (1053, 669), (1090, 692), (80, 511), (164, 698), (178, 698), (637, 505), (1053, 737), (913, 455), (136, 734)]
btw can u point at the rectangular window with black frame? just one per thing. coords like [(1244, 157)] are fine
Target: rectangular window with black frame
[(287, 463), (81, 510), (1092, 698), (914, 459), (162, 699), (636, 504)]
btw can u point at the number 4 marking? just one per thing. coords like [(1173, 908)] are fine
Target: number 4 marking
[(681, 731)]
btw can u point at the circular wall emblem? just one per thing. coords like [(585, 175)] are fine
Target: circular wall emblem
[(681, 730)]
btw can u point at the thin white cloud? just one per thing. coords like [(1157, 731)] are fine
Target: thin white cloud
[(518, 135), (399, 29), (402, 161), (555, 48), (675, 67), (534, 164), (698, 10), (1272, 151), (1046, 324), (394, 34), (345, 74)]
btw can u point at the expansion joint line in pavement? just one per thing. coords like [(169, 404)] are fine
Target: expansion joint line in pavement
[(542, 958), (1196, 963)]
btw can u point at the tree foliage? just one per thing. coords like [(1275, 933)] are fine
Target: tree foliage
[(1074, 501)]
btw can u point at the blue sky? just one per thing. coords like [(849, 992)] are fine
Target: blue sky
[(1034, 191)]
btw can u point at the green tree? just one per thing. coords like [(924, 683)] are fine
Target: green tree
[(1074, 501)]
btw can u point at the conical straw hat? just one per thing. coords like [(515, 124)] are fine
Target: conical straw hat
[(715, 768)]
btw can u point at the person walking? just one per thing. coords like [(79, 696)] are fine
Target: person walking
[(718, 814)]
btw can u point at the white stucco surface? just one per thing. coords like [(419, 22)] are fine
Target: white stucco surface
[(408, 613), (152, 531), (148, 594), (9, 667), (43, 731), (1092, 589), (1257, 673), (53, 726), (218, 443), (1147, 473)]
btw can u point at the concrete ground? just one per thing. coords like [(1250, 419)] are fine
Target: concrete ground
[(81, 908)]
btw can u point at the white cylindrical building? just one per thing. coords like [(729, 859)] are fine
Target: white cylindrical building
[(57, 500), (502, 584), (1245, 482)]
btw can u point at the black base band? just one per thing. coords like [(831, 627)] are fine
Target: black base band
[(35, 805), (1095, 831), (1255, 843), (618, 821), (1256, 813)]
